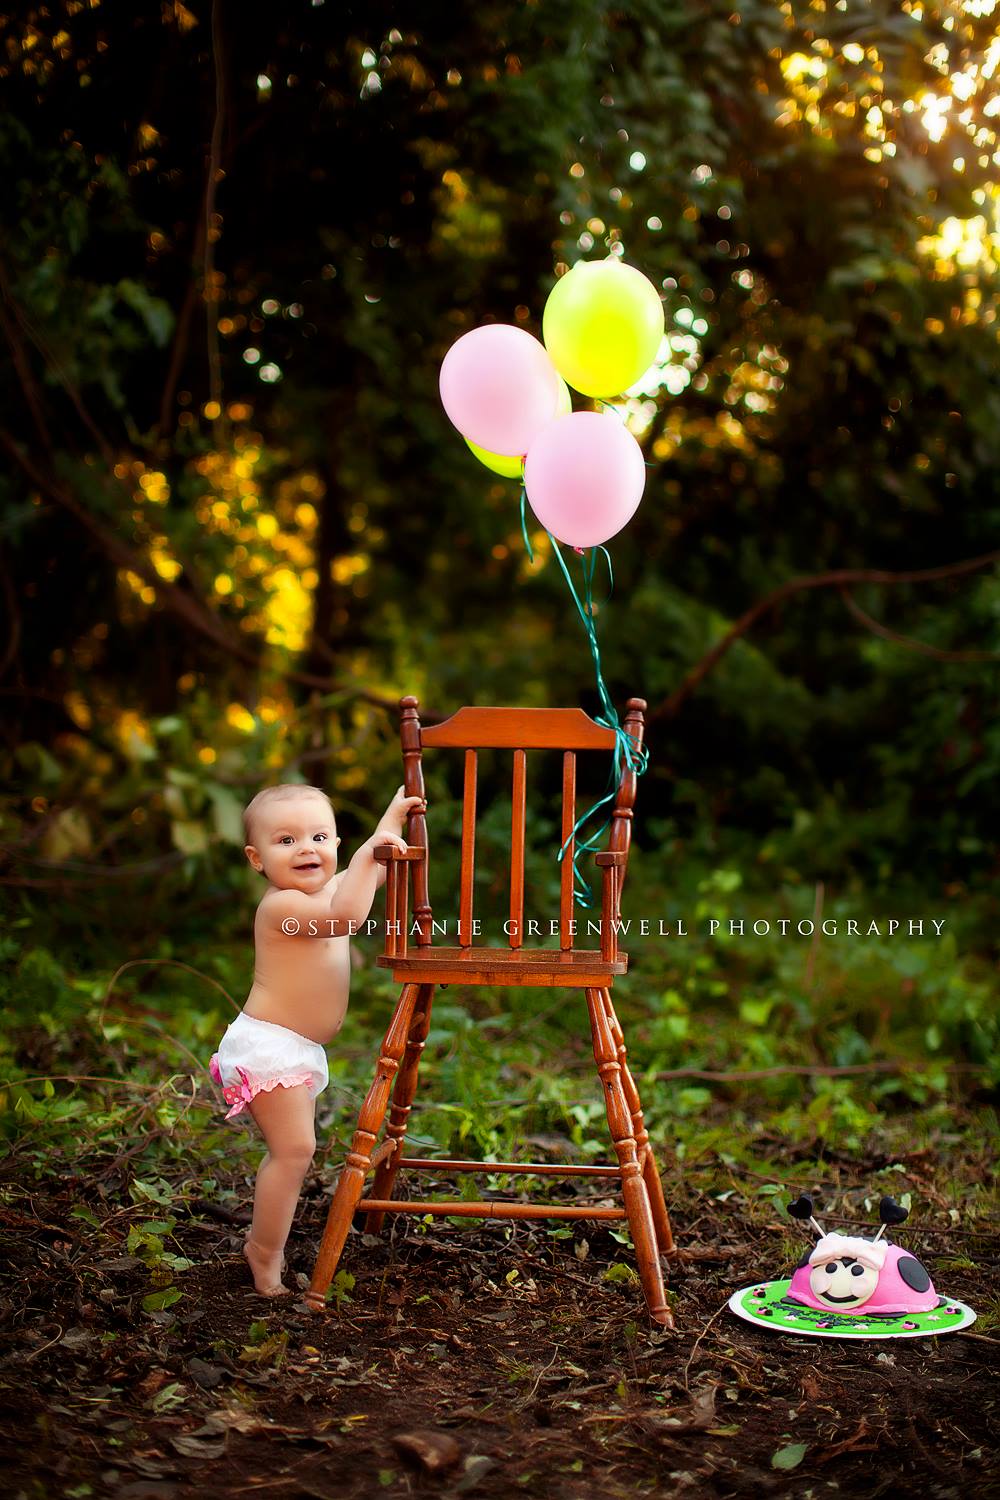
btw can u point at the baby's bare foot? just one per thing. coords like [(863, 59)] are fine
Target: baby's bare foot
[(284, 1262), (266, 1271)]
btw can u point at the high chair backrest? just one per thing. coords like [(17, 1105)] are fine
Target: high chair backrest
[(520, 730)]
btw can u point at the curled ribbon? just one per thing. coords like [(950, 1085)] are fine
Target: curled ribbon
[(628, 751)]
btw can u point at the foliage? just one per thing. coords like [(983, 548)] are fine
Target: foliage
[(241, 527), (826, 398)]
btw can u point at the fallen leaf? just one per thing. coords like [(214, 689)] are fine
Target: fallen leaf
[(207, 1375), (77, 1338), (790, 1457), (698, 1416), (475, 1467), (192, 1447), (151, 1383), (434, 1452), (703, 1407), (235, 1417)]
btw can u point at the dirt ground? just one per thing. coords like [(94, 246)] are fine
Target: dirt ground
[(483, 1360)]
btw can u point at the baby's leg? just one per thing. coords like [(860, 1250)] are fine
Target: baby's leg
[(286, 1117)]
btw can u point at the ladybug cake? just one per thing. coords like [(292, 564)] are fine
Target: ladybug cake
[(845, 1273), (847, 1286)]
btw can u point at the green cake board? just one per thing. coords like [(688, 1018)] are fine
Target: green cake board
[(766, 1304)]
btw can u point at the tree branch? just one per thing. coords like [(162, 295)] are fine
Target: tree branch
[(215, 176), (904, 640), (178, 351), (13, 326), (838, 579), (851, 1070), (183, 604)]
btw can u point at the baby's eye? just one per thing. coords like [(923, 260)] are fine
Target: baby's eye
[(320, 836), (286, 838)]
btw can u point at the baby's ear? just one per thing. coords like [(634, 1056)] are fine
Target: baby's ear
[(338, 840), (253, 857)]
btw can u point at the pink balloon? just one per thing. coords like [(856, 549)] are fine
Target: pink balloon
[(499, 387), (584, 475)]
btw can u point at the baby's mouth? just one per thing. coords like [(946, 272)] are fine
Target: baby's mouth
[(306, 869)]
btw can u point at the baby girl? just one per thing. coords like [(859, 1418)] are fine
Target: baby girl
[(271, 1059)]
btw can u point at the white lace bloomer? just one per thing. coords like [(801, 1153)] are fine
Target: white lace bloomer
[(256, 1056)]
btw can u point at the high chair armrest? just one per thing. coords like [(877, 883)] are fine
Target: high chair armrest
[(612, 864), (397, 891)]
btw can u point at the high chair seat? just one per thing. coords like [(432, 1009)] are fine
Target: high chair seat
[(576, 968)]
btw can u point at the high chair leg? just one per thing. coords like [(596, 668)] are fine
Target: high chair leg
[(634, 1191), (399, 1110), (644, 1151), (355, 1169)]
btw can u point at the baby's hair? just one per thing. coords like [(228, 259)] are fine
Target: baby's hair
[(277, 794)]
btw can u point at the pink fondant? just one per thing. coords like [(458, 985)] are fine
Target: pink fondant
[(891, 1295)]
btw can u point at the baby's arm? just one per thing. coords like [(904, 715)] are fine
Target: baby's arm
[(355, 892), (392, 821)]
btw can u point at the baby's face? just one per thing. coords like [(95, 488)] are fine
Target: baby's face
[(295, 844)]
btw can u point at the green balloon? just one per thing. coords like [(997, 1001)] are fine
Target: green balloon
[(602, 325)]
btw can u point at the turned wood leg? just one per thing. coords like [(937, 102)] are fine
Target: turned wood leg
[(644, 1151), (399, 1110), (637, 1207), (355, 1169)]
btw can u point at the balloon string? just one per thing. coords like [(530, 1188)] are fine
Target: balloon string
[(628, 750), (524, 524)]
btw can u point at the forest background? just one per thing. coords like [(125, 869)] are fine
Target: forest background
[(236, 527)]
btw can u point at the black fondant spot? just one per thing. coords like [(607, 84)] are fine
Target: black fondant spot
[(804, 1261), (914, 1274)]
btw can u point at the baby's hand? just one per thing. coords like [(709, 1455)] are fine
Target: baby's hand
[(400, 806), (377, 841)]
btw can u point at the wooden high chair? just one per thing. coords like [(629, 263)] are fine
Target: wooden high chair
[(419, 969)]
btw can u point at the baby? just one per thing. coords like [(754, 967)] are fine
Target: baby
[(271, 1059)]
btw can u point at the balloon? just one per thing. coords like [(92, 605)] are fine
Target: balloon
[(584, 476), (500, 463), (602, 325), (499, 387), (510, 467)]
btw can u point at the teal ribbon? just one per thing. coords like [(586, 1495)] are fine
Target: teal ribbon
[(628, 751)]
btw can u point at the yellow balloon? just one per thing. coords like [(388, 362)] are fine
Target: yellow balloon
[(509, 467), (500, 463), (602, 326)]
